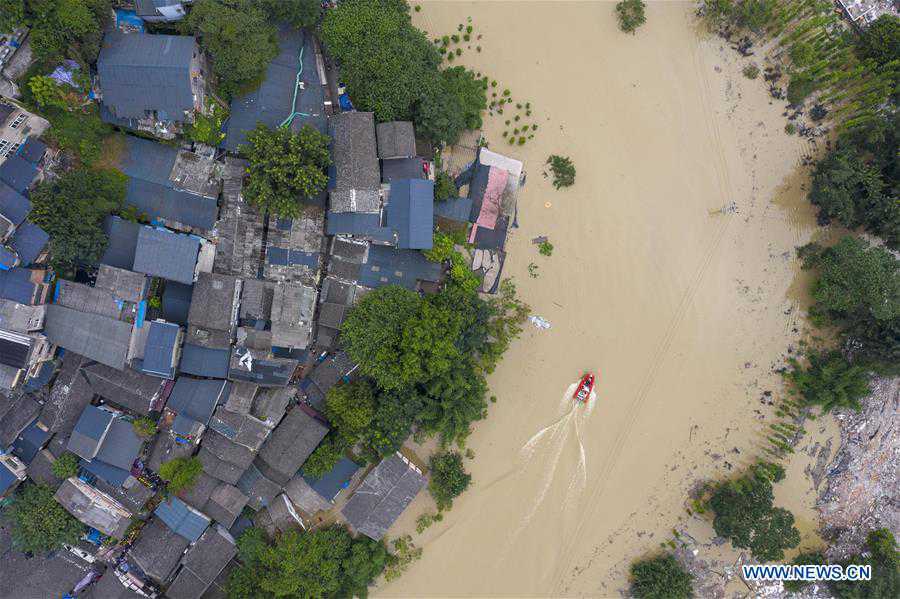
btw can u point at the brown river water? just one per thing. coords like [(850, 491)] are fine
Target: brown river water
[(681, 310)]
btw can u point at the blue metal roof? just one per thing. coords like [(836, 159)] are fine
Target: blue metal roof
[(182, 519), (402, 168), (162, 253), (389, 266), (107, 472), (140, 72), (204, 361), (88, 432), (13, 205), (333, 481), (367, 224), (16, 285), (29, 241), (176, 302), (270, 103), (18, 173), (123, 236), (284, 257), (30, 441), (32, 150), (121, 446), (457, 209), (7, 478), (197, 398), (410, 212), (160, 348), (8, 258)]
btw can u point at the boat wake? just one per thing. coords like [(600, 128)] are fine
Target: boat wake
[(541, 457)]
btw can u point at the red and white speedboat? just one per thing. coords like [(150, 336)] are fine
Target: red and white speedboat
[(585, 386)]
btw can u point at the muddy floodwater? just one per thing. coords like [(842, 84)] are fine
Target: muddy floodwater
[(682, 309)]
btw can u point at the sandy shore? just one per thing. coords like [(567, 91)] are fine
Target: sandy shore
[(683, 312)]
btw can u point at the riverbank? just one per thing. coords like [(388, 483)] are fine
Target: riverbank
[(683, 310)]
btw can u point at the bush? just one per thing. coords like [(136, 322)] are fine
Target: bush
[(751, 71), (65, 466), (800, 87), (180, 473), (325, 457), (444, 187), (790, 129), (39, 523), (144, 427), (885, 562), (660, 577), (449, 478), (207, 127), (563, 171), (545, 248), (631, 15)]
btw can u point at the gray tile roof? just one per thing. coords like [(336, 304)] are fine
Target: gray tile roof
[(382, 496), (158, 550), (124, 284), (85, 298), (225, 505), (16, 414), (121, 446), (214, 302), (270, 404), (141, 72), (69, 395), (218, 468), (243, 429), (161, 253), (258, 368), (202, 564), (354, 152), (227, 450), (96, 337), (200, 492), (293, 306), (126, 388), (259, 489), (396, 139), (389, 266), (304, 497), (292, 441)]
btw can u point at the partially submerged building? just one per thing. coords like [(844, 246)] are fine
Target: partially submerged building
[(383, 495), (151, 83)]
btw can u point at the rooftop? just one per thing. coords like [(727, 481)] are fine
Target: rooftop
[(355, 160), (123, 284), (202, 564), (141, 73), (204, 361), (126, 388), (160, 349), (29, 242), (90, 432), (396, 139), (93, 336), (292, 441), (122, 246), (161, 253), (254, 366), (182, 518), (389, 266), (402, 168), (158, 549), (94, 508), (410, 212), (383, 495), (18, 173), (214, 302), (197, 398)]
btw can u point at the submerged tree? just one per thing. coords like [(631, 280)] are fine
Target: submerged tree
[(285, 167), (884, 559), (829, 381), (631, 15), (563, 171), (449, 478), (299, 13), (660, 577)]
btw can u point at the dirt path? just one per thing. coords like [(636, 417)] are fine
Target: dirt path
[(682, 310)]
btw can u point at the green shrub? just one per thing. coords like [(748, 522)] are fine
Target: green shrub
[(790, 129), (631, 15), (545, 248), (449, 478), (444, 187), (563, 170), (65, 466), (39, 522), (144, 427), (751, 71), (660, 577), (180, 473)]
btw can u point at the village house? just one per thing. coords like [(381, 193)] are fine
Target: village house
[(93, 507), (160, 11), (383, 495), (292, 441), (107, 445), (17, 126), (150, 83), (202, 563), (12, 473), (23, 348), (174, 188), (192, 402)]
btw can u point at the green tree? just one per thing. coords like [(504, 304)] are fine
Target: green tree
[(880, 40), (717, 12), (71, 209), (805, 557), (453, 104), (325, 457), (180, 473), (12, 14), (350, 408), (144, 427), (373, 335), (444, 187), (285, 167), (885, 561), (857, 288), (394, 417), (754, 14), (240, 39), (631, 15), (849, 188), (65, 466), (453, 401), (563, 170), (449, 478), (800, 87), (67, 29), (829, 381), (46, 92), (299, 13), (321, 563), (744, 514), (207, 127), (660, 577), (39, 523), (386, 63)]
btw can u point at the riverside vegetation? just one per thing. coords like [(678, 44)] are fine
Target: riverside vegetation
[(851, 80)]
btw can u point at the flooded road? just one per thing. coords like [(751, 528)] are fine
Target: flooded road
[(682, 309)]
